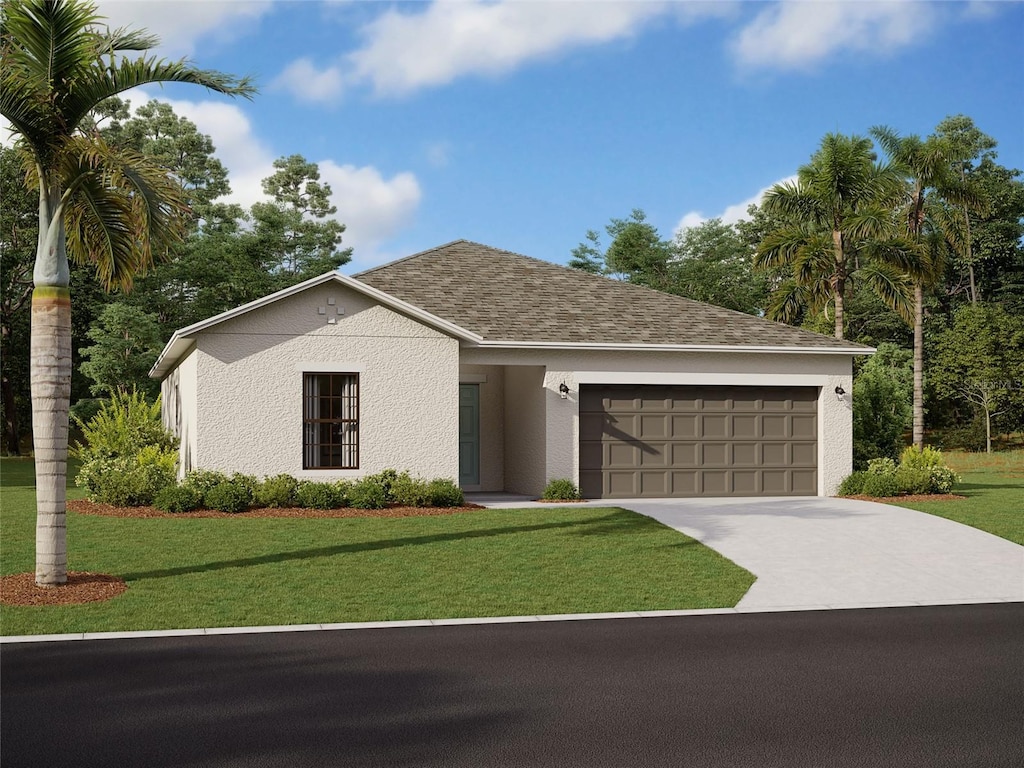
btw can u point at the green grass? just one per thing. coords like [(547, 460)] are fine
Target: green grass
[(249, 572), (994, 487)]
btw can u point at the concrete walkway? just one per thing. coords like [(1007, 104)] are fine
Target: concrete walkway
[(840, 553)]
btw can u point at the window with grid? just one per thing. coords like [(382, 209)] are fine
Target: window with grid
[(330, 421)]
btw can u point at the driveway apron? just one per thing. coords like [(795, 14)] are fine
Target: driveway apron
[(839, 553)]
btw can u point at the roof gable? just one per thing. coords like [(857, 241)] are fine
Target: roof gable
[(505, 297)]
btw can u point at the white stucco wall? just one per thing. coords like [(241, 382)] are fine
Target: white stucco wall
[(526, 430), (491, 380), (249, 386), (561, 437), (179, 408)]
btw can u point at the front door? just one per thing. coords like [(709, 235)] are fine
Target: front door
[(469, 434)]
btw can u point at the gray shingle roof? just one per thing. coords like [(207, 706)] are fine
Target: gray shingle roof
[(503, 296)]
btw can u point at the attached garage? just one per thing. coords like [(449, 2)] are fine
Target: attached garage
[(672, 441)]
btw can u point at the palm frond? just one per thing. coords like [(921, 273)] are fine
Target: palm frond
[(892, 286)]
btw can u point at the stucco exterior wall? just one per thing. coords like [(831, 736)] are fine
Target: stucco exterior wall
[(179, 409), (491, 380), (526, 430), (561, 438), (249, 391)]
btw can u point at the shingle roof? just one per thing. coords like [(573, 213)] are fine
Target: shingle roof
[(504, 296)]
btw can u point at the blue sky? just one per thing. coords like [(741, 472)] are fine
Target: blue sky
[(523, 124)]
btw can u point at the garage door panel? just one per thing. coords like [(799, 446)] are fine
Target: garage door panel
[(746, 427), (805, 454), (621, 484), (805, 481), (622, 455), (654, 484), (774, 482), (745, 455), (685, 426), (775, 454), (714, 426), (745, 482), (715, 455), (685, 455), (715, 482), (654, 426), (685, 482), (697, 440), (804, 427), (775, 426)]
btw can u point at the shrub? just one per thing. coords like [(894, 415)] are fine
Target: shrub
[(129, 481), (177, 498), (561, 489), (882, 395), (445, 493), (913, 481), (943, 479), (921, 458), (883, 466), (202, 480), (385, 479), (410, 491), (247, 482), (853, 484), (879, 485), (369, 493), (227, 497), (123, 426), (276, 491), (316, 495), (940, 477)]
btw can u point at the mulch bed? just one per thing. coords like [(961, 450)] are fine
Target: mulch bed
[(84, 507), (914, 497), (81, 587)]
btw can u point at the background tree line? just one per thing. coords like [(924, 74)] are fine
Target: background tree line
[(912, 245), (912, 240), (229, 255)]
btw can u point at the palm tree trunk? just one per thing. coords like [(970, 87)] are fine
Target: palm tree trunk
[(51, 392), (919, 366)]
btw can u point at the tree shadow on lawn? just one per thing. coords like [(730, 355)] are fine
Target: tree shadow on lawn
[(961, 488), (619, 522)]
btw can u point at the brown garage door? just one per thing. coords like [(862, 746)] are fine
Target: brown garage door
[(645, 440)]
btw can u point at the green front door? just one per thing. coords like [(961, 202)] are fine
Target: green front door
[(469, 434)]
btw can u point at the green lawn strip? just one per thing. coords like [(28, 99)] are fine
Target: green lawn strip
[(994, 503), (259, 571)]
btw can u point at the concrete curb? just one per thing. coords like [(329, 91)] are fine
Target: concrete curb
[(354, 625)]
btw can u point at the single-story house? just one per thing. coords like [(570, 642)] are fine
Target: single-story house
[(503, 371)]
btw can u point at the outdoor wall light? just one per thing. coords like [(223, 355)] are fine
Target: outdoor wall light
[(563, 390), (840, 392)]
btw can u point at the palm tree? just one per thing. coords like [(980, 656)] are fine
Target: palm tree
[(839, 222), (113, 209), (928, 165)]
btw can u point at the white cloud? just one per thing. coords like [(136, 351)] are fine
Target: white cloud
[(408, 51), (309, 84), (797, 33), (181, 24), (372, 207), (732, 213)]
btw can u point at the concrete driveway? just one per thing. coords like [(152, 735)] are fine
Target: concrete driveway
[(843, 553)]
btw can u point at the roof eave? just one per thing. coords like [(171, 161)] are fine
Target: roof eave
[(619, 347)]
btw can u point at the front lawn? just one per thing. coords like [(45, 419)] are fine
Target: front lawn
[(260, 571), (994, 487)]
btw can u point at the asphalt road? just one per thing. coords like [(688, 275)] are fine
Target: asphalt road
[(935, 686)]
